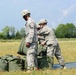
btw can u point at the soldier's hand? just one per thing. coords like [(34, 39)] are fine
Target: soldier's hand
[(39, 36), (43, 43), (28, 44)]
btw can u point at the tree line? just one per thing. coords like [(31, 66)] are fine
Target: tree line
[(66, 31), (62, 31), (11, 33)]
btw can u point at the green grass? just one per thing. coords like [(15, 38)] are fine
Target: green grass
[(67, 39), (41, 72), (68, 49)]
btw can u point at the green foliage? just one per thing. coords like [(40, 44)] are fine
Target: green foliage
[(18, 35), (6, 32), (66, 31), (10, 33), (62, 31), (22, 32), (1, 35)]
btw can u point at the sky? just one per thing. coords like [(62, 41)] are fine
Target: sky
[(54, 11)]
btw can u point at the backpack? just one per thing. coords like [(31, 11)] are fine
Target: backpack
[(14, 63), (45, 62), (41, 50), (3, 64)]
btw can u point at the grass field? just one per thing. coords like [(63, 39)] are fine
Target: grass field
[(68, 49)]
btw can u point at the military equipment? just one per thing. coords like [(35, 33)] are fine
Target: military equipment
[(42, 21), (41, 50), (12, 63), (24, 63), (3, 64), (22, 48), (50, 61), (44, 62), (25, 12)]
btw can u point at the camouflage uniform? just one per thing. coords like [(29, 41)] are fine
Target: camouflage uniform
[(31, 37), (31, 40), (41, 49), (52, 44)]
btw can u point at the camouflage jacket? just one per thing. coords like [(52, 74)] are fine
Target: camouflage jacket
[(49, 35), (31, 31)]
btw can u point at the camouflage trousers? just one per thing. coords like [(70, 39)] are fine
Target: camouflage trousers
[(55, 50), (32, 56)]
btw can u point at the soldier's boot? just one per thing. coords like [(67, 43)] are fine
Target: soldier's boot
[(36, 68), (32, 68), (29, 69), (63, 67), (50, 62)]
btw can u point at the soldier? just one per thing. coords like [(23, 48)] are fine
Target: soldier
[(41, 49), (31, 40), (51, 42)]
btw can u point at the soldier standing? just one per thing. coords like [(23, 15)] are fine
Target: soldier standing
[(51, 42), (31, 40)]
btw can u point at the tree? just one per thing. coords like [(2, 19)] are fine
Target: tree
[(66, 31), (74, 32), (22, 32), (18, 35), (1, 35), (60, 31), (69, 30), (6, 32)]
